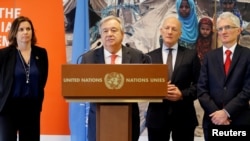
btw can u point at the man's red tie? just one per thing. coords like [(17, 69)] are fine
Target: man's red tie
[(113, 57), (228, 61)]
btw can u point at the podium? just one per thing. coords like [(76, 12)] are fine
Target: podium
[(114, 87)]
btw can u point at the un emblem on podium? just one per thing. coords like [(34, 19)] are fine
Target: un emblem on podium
[(114, 80)]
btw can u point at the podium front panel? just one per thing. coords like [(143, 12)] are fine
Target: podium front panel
[(119, 81)]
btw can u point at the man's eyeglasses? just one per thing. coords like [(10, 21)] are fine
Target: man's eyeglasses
[(226, 28)]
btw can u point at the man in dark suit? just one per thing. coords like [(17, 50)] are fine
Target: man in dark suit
[(224, 93), (112, 33), (176, 114)]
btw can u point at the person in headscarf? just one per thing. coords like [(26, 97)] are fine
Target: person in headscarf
[(186, 11), (230, 6), (205, 39)]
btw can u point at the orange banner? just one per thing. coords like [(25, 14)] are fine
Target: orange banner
[(48, 19)]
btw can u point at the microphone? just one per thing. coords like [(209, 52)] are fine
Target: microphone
[(127, 45), (97, 45), (79, 57)]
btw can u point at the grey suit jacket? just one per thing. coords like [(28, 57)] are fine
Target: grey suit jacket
[(217, 91)]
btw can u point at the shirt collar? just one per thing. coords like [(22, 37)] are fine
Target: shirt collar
[(108, 54), (232, 48), (174, 47)]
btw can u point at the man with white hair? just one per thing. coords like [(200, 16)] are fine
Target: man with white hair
[(224, 82)]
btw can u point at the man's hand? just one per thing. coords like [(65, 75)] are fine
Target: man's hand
[(220, 118), (173, 93)]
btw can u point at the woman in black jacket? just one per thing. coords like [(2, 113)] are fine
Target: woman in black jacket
[(23, 76)]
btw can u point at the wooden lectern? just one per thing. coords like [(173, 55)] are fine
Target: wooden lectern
[(114, 87)]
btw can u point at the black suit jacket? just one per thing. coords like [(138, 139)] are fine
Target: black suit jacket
[(217, 91), (129, 55), (185, 77), (7, 67)]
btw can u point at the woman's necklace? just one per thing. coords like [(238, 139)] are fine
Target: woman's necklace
[(26, 67)]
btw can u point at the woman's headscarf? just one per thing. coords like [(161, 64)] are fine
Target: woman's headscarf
[(189, 24), (235, 9), (204, 44)]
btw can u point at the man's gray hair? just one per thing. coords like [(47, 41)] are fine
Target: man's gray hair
[(231, 16), (111, 17)]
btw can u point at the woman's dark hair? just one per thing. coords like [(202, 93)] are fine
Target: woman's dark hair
[(14, 29)]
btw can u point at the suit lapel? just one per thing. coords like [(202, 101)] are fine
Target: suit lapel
[(126, 57), (219, 58), (99, 56), (235, 59), (179, 57)]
